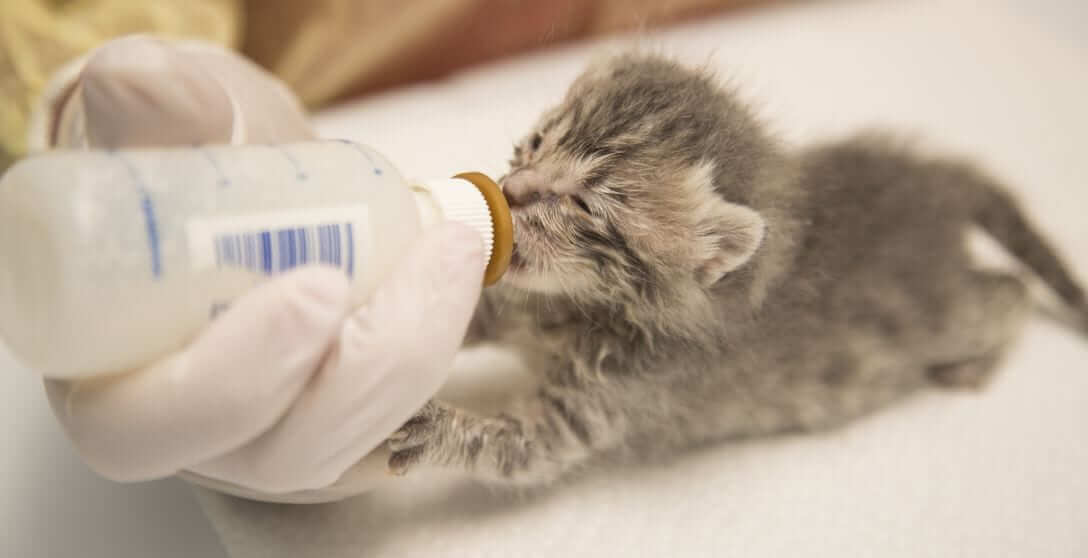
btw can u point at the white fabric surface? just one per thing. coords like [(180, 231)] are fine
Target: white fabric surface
[(994, 474)]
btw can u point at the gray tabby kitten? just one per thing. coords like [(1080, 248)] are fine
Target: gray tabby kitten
[(680, 279)]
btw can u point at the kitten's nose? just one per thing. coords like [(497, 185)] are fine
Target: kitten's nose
[(522, 188)]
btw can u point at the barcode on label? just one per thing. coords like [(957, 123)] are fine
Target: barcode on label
[(279, 250), (273, 243)]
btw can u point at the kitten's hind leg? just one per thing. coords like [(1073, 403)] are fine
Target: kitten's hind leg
[(980, 325)]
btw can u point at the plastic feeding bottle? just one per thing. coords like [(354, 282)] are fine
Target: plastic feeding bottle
[(113, 259)]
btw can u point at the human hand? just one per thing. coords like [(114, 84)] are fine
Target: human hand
[(289, 388), (282, 393)]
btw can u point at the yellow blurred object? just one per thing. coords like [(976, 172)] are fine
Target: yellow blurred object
[(38, 36)]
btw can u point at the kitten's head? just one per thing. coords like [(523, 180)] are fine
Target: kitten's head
[(641, 179)]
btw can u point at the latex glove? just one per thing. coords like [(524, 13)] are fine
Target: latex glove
[(139, 91), (287, 390), (281, 393)]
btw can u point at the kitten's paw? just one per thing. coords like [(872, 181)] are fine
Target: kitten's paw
[(410, 443), (416, 432), (973, 374), (402, 460)]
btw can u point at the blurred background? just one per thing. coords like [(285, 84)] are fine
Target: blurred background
[(332, 50), (326, 50)]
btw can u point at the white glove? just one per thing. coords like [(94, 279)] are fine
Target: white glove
[(290, 388), (138, 91)]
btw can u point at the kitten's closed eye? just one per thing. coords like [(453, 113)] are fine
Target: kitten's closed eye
[(534, 143), (518, 200), (581, 204)]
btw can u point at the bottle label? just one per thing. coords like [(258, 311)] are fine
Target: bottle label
[(272, 243)]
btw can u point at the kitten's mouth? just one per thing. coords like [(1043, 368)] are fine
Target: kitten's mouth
[(517, 255), (517, 261)]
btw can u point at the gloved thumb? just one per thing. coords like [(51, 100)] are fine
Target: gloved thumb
[(230, 384), (139, 91), (392, 355)]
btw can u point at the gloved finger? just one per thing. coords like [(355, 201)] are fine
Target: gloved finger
[(232, 383), (43, 125), (266, 110), (391, 357), (366, 475), (140, 91)]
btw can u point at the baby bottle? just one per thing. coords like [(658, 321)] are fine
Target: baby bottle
[(112, 259)]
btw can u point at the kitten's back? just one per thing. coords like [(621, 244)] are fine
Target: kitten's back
[(878, 209)]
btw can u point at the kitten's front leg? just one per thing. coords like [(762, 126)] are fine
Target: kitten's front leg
[(538, 439)]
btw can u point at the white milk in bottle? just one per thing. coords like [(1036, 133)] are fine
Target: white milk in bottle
[(113, 259)]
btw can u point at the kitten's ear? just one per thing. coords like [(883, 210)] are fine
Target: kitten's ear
[(728, 235)]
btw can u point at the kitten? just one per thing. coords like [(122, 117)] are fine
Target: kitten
[(680, 279)]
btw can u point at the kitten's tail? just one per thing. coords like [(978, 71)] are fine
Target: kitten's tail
[(998, 213)]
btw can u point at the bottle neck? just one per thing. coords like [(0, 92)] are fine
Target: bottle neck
[(474, 200)]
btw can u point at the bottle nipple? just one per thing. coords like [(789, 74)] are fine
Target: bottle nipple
[(482, 208)]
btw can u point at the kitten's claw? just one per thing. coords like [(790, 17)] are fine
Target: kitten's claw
[(402, 460), (415, 432), (409, 443), (396, 438)]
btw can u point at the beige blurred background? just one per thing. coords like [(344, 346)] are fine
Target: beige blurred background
[(325, 50)]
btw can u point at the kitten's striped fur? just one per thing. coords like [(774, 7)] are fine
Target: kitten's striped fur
[(681, 279)]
